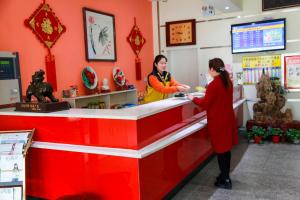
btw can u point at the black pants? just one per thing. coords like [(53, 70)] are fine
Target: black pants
[(224, 164)]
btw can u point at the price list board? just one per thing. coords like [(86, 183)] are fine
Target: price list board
[(254, 66)]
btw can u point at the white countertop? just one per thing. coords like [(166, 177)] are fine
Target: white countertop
[(132, 113)]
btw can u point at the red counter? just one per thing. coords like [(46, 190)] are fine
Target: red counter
[(134, 153)]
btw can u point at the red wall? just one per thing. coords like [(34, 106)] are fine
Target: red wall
[(69, 51)]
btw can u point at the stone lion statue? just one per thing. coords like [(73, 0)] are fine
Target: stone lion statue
[(40, 89)]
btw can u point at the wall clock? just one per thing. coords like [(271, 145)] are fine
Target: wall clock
[(181, 32)]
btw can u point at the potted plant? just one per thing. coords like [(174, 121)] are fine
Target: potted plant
[(259, 133), (293, 135), (276, 133), (250, 136)]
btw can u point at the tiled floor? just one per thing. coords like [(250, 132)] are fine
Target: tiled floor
[(267, 171)]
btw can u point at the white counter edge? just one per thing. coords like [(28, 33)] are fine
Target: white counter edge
[(152, 148), (141, 153)]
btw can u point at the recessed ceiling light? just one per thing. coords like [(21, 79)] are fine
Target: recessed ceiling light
[(227, 7)]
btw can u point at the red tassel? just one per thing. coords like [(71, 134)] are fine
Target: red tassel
[(138, 69), (50, 71)]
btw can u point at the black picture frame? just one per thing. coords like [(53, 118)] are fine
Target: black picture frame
[(278, 4), (100, 35)]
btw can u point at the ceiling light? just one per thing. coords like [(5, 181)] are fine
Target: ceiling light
[(227, 8)]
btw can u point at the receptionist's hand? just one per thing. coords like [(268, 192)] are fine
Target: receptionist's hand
[(180, 88), (187, 87)]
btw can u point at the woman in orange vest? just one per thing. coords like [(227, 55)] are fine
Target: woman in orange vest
[(161, 83), (221, 122)]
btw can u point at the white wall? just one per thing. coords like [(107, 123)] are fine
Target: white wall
[(213, 37)]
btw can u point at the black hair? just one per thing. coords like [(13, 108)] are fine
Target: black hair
[(156, 61), (218, 65)]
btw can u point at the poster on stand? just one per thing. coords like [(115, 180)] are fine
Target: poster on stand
[(292, 71), (13, 148)]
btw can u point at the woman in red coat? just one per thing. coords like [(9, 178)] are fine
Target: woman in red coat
[(222, 128)]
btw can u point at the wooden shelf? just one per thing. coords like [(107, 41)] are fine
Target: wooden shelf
[(109, 99)]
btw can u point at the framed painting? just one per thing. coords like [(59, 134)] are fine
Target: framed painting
[(100, 36), (179, 33), (291, 72), (279, 4)]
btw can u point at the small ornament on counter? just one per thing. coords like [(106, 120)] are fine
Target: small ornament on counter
[(66, 94), (130, 87), (119, 79), (73, 91), (141, 95), (90, 80), (105, 87), (96, 105)]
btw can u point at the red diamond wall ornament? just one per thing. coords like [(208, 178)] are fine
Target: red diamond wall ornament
[(136, 41), (47, 27)]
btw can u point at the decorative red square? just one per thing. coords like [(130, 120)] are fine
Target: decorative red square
[(45, 25), (136, 40)]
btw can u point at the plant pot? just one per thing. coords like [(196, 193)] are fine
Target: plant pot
[(275, 139), (257, 139), (296, 141)]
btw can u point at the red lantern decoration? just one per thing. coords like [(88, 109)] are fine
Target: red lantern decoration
[(136, 41), (47, 27)]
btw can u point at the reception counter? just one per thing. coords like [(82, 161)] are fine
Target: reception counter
[(142, 152)]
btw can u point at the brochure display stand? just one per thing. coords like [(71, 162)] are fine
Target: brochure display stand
[(13, 149)]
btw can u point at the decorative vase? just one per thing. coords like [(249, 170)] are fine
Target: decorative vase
[(275, 139), (257, 139)]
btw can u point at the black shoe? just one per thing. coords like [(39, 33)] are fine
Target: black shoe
[(218, 178), (225, 184)]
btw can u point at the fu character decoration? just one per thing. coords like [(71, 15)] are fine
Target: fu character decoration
[(136, 41), (47, 27)]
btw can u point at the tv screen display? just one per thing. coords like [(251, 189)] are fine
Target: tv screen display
[(266, 35)]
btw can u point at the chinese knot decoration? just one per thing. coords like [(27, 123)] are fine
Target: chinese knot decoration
[(47, 27), (136, 41)]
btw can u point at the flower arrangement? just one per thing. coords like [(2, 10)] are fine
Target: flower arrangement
[(89, 78), (119, 77)]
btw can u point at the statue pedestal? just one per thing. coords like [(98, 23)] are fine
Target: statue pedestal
[(42, 107)]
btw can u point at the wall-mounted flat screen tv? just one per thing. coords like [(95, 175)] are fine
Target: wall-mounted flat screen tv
[(268, 35)]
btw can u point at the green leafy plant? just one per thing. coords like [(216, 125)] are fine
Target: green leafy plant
[(250, 135), (275, 131), (259, 131), (293, 134)]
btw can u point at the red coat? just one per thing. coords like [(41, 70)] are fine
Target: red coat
[(221, 122)]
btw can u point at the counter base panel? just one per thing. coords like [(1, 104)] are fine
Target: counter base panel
[(73, 175)]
